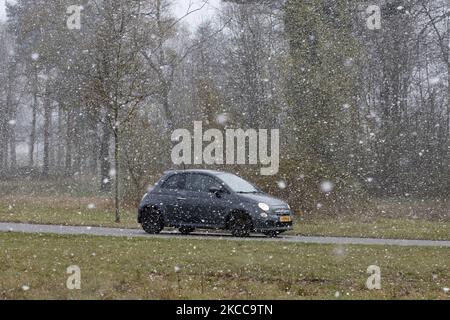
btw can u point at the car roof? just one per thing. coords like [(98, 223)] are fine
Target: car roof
[(211, 172)]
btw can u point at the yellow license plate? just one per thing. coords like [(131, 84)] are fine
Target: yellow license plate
[(285, 219)]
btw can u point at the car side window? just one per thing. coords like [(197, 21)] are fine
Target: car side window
[(200, 183), (175, 182)]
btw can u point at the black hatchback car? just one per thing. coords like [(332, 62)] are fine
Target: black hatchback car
[(205, 199)]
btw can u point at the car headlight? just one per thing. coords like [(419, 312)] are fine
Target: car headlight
[(263, 206), (264, 215)]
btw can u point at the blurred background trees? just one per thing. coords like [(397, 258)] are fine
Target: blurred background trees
[(366, 112)]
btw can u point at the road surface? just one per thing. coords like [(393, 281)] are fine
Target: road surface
[(133, 233)]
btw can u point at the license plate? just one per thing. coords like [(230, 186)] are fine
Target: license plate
[(285, 219)]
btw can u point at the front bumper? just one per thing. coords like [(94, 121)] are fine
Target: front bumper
[(274, 226), (273, 223)]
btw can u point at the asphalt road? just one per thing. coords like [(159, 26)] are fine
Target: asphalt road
[(133, 233)]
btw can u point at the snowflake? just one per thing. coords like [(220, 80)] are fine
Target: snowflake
[(282, 184), (326, 186), (222, 119)]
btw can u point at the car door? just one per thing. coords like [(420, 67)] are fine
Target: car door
[(173, 195), (208, 209)]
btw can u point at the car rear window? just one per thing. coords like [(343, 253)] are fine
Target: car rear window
[(175, 182)]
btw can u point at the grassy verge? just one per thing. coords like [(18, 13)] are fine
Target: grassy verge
[(98, 211), (387, 228), (34, 266), (64, 210)]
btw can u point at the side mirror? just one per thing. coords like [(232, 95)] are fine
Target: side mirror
[(217, 191)]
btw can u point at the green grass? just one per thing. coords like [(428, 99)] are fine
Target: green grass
[(64, 210), (120, 268), (51, 187), (387, 228)]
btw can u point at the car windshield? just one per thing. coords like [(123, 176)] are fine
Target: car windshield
[(238, 184)]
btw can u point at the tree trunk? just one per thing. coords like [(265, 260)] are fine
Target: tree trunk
[(94, 158), (47, 128), (105, 164), (33, 130), (60, 149), (166, 107), (2, 150), (117, 179), (77, 159), (68, 160), (12, 148), (11, 128), (448, 97)]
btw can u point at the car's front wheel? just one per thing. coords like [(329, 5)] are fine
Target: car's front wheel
[(272, 234), (152, 222)]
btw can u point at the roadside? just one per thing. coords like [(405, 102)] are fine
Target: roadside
[(205, 235), (97, 211)]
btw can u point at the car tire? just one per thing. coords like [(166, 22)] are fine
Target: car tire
[(186, 230), (152, 222), (239, 226)]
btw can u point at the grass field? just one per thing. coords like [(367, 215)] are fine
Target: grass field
[(98, 211), (35, 266)]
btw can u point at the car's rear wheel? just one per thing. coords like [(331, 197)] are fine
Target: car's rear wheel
[(186, 230), (240, 226), (152, 222)]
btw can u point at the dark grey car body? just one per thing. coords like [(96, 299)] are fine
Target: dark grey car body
[(182, 204)]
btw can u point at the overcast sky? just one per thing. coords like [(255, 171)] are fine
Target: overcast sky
[(2, 9), (180, 9)]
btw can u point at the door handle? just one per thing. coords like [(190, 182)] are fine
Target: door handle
[(181, 198)]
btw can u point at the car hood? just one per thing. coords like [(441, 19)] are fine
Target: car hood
[(261, 197)]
